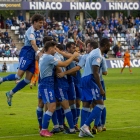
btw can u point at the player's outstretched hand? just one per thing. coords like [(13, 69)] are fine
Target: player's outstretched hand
[(102, 92), (40, 54), (76, 54), (60, 75)]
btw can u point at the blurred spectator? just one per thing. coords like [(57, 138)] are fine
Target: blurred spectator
[(69, 21), (3, 40), (136, 44), (53, 19), (8, 39), (87, 37), (18, 21), (48, 21), (116, 22), (71, 39), (45, 24), (99, 33), (106, 32), (115, 31), (106, 21), (13, 52), (137, 54), (77, 19), (17, 52), (27, 24), (132, 55), (7, 52), (3, 49), (60, 38), (8, 23), (66, 20), (125, 22), (6, 33), (20, 17), (133, 31), (137, 23), (112, 16), (14, 22), (123, 30), (120, 21), (122, 53), (92, 36), (21, 31), (56, 25), (2, 21), (12, 44), (138, 36), (66, 29), (1, 33), (80, 27), (4, 67), (65, 41), (119, 28), (119, 55)]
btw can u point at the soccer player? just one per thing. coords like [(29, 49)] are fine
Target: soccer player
[(92, 90), (27, 58), (40, 100), (36, 73), (126, 61), (99, 123), (47, 63), (61, 89)]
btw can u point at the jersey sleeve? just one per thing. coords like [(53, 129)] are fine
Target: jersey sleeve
[(81, 62), (104, 66), (53, 60), (30, 35), (96, 60)]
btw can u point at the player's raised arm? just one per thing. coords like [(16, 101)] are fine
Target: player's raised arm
[(67, 55), (67, 62)]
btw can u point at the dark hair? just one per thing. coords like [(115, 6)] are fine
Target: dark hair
[(49, 44), (68, 45), (94, 44), (104, 42), (37, 17), (88, 41), (47, 38), (60, 47)]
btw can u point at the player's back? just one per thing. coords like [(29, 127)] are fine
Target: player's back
[(46, 67), (94, 58), (127, 57)]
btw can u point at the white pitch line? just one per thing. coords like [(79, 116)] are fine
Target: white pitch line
[(123, 100), (38, 134)]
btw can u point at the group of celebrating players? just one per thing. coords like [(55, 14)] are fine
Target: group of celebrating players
[(60, 86)]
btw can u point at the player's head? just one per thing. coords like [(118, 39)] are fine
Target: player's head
[(105, 45), (127, 51), (60, 47), (50, 47), (88, 48), (70, 47), (93, 45), (37, 21), (47, 38)]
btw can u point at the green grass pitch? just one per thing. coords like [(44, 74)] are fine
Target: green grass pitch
[(19, 122)]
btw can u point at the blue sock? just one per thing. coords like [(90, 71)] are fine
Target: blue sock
[(84, 115), (97, 120), (46, 119), (78, 114), (63, 115), (40, 116), (10, 77), (21, 85), (54, 118), (69, 117), (95, 112), (59, 115), (74, 113), (103, 116)]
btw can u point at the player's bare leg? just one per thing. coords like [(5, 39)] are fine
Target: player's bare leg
[(122, 69), (130, 70), (9, 94), (32, 80)]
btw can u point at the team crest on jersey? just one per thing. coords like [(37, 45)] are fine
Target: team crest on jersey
[(55, 59), (98, 60), (98, 95), (31, 36), (51, 98), (22, 66), (58, 53)]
